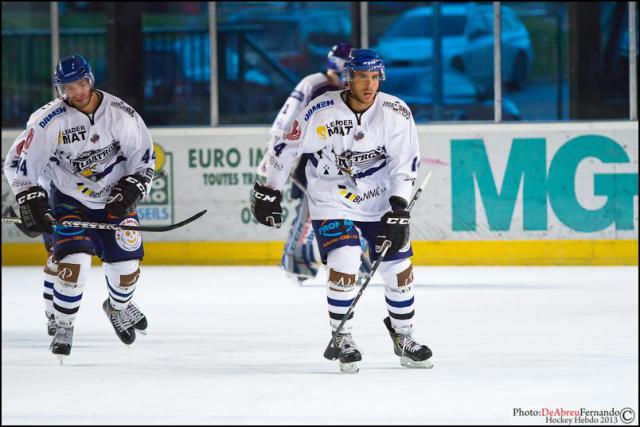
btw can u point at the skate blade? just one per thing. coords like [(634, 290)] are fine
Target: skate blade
[(141, 331), (350, 368), (61, 358), (408, 363)]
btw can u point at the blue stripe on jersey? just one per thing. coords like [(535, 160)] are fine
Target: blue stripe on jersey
[(339, 303), (297, 95), (48, 285), (399, 304), (370, 171), (66, 298), (312, 159)]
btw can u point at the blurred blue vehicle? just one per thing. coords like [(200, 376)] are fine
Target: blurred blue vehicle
[(462, 97), (467, 42)]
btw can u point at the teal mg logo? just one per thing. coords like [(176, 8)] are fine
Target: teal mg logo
[(527, 168)]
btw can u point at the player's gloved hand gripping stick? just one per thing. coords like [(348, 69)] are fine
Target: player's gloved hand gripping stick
[(105, 226), (116, 227), (332, 351)]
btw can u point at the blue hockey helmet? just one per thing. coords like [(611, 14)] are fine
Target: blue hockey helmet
[(71, 69), (363, 60), (337, 56)]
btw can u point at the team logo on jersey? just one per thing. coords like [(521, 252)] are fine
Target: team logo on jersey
[(398, 108), (336, 127), (295, 133), (129, 240), (320, 105), (359, 136), (95, 138), (90, 163), (355, 162), (355, 198), (44, 122), (71, 135)]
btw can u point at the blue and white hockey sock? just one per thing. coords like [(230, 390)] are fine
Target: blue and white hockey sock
[(50, 273), (121, 282), (399, 293), (343, 264), (69, 283)]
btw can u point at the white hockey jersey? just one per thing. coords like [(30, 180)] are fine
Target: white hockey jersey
[(356, 160), (309, 88), (87, 154)]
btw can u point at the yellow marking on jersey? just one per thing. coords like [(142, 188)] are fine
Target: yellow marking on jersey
[(322, 132)]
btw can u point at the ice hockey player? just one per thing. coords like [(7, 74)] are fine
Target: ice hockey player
[(362, 147), (101, 163), (51, 266), (301, 259)]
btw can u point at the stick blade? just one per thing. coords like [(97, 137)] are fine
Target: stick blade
[(331, 352)]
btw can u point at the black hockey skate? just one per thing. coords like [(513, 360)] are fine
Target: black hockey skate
[(349, 354), (62, 340), (51, 324), (121, 323), (412, 354), (138, 319)]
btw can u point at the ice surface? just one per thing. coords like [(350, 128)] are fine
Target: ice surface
[(243, 345)]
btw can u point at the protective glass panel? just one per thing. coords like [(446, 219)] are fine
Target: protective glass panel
[(454, 85), (266, 48), (26, 60)]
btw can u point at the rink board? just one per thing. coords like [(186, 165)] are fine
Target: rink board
[(534, 253), (500, 194)]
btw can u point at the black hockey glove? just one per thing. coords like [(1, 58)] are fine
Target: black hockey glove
[(21, 226), (124, 197), (394, 226), (265, 205), (34, 210)]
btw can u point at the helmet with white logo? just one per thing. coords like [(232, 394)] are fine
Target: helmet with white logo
[(363, 60), (71, 69), (337, 56)]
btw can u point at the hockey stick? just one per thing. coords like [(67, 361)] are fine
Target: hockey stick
[(116, 227), (160, 174), (332, 351)]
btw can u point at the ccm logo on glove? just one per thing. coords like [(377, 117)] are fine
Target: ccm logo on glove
[(30, 196), (397, 221), (265, 197)]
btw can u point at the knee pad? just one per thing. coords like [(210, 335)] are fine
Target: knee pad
[(73, 270), (397, 275), (122, 274), (343, 264)]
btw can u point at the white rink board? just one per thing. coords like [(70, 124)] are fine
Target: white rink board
[(213, 168), (246, 348)]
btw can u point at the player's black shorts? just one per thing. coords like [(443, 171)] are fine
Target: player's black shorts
[(108, 245), (334, 233)]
